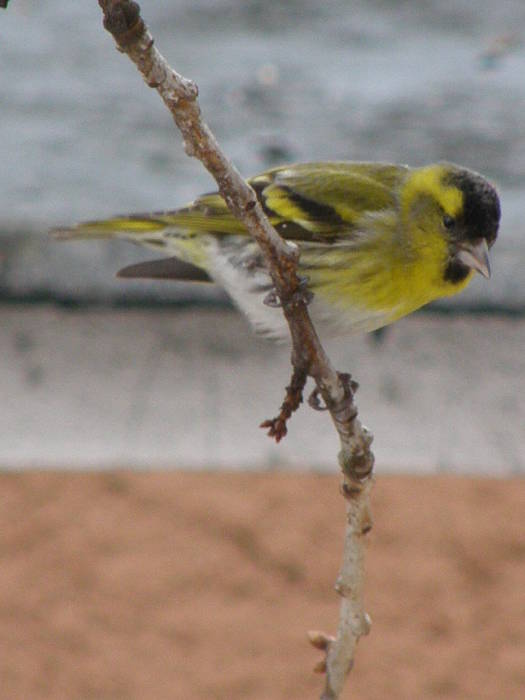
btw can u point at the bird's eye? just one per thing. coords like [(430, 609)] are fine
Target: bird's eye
[(448, 221)]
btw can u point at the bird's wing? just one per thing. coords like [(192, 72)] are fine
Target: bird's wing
[(326, 201), (321, 202)]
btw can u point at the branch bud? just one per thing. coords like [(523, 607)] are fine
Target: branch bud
[(320, 640)]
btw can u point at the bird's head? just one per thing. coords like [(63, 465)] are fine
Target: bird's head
[(462, 208), (473, 228)]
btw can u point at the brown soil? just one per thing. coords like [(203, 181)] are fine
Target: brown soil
[(189, 586)]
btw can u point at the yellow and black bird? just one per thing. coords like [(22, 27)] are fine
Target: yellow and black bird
[(376, 241)]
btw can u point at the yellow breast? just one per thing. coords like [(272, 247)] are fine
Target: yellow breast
[(385, 277)]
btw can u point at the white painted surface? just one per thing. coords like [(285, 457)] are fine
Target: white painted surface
[(187, 389)]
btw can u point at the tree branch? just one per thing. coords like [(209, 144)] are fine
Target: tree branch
[(122, 19)]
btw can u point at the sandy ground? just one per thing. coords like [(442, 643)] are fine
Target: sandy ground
[(177, 585)]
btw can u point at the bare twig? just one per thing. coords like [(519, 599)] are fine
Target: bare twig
[(122, 18), (292, 401)]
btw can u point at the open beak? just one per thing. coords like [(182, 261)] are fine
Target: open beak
[(476, 256)]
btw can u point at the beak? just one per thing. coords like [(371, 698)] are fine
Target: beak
[(476, 256)]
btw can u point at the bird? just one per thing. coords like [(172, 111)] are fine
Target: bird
[(376, 241)]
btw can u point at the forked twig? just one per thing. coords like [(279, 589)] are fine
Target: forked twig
[(122, 18)]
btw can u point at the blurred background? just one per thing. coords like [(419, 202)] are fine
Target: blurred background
[(178, 582), (99, 372)]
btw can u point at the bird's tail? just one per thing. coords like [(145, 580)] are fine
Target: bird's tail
[(183, 233), (208, 213), (138, 226)]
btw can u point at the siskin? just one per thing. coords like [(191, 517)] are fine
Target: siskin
[(376, 241)]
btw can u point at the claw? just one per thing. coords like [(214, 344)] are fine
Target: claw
[(350, 387), (272, 299), (313, 401), (301, 295)]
